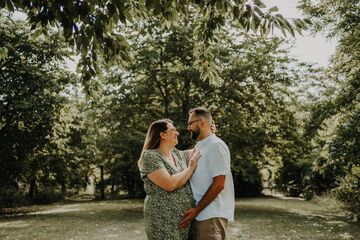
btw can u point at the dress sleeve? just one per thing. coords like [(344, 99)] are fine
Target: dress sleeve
[(151, 162)]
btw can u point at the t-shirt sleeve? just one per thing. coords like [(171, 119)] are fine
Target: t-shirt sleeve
[(151, 162), (218, 160)]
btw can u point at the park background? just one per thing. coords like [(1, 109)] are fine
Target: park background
[(292, 126)]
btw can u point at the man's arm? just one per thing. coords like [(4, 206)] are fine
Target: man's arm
[(213, 191)]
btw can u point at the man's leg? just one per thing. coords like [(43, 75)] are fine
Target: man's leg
[(209, 229)]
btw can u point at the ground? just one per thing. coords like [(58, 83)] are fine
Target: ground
[(267, 218)]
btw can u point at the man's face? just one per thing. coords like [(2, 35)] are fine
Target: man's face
[(193, 126)]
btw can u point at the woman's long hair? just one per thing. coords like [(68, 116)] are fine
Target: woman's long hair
[(152, 139)]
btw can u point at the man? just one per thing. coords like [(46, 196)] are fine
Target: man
[(211, 183)]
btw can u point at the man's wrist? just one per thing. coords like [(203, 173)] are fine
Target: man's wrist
[(197, 211)]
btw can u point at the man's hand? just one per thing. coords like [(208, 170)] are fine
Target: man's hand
[(188, 216)]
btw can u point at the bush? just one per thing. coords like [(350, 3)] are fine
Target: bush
[(348, 191), (322, 177), (290, 177), (47, 196), (247, 180), (11, 198)]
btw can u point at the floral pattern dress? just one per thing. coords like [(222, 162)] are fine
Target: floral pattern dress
[(163, 210)]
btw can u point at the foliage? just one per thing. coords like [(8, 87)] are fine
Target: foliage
[(340, 19), (348, 190), (247, 178), (291, 177), (38, 136), (95, 28), (28, 98), (11, 197), (47, 196)]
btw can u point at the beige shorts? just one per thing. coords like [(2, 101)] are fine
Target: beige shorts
[(209, 229)]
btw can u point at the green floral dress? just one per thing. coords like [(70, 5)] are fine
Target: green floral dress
[(162, 209)]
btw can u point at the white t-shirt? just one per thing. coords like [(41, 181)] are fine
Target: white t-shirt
[(214, 161)]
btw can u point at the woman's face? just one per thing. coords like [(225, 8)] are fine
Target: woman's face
[(171, 135)]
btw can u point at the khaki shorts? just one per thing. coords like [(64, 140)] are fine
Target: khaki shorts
[(209, 229)]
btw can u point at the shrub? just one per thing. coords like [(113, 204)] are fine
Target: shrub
[(11, 198), (322, 177), (47, 196), (247, 180), (348, 191), (290, 177)]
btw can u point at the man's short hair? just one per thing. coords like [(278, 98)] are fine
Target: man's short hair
[(202, 112)]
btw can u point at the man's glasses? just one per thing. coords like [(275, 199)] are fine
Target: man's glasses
[(190, 123)]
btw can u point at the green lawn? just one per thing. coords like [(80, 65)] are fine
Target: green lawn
[(256, 218)]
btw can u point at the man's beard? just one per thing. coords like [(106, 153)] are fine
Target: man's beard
[(195, 134)]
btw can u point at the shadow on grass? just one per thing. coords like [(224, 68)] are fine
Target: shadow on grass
[(122, 210)]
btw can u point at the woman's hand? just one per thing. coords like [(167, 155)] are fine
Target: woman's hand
[(194, 159), (213, 127)]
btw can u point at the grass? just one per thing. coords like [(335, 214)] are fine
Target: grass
[(256, 219)]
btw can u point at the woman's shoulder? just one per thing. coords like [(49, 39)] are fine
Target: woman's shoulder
[(150, 153), (177, 151), (182, 154)]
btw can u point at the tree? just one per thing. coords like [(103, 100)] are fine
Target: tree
[(340, 19), (95, 28), (31, 79)]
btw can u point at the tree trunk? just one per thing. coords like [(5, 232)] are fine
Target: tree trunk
[(186, 101), (112, 188), (32, 188), (63, 187), (102, 184)]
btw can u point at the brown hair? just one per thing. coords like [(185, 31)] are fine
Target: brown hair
[(202, 112), (152, 139)]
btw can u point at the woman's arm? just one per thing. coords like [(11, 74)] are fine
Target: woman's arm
[(164, 180)]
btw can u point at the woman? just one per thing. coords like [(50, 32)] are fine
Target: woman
[(165, 173)]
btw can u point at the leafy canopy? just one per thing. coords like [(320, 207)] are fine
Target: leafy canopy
[(95, 28)]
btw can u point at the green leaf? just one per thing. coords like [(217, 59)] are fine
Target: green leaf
[(236, 11), (258, 10), (283, 31), (157, 7), (2, 4), (267, 29), (37, 33), (10, 5), (219, 4), (308, 21), (298, 30), (149, 4), (273, 9), (128, 15), (259, 3), (255, 22)]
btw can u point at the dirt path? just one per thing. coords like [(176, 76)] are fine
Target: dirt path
[(256, 219)]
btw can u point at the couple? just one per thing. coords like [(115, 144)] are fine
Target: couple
[(171, 205)]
